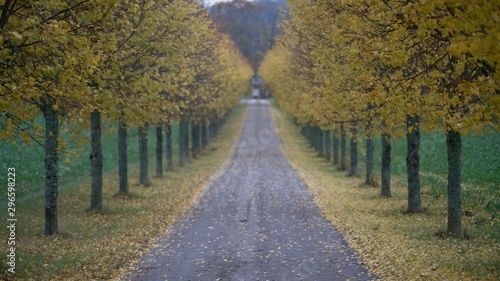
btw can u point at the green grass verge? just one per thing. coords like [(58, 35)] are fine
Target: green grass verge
[(94, 246), (480, 169), (394, 245)]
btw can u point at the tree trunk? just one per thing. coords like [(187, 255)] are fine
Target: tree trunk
[(369, 180), (159, 151), (321, 142), (213, 129), (413, 164), (204, 135), (454, 146), (170, 155), (143, 155), (328, 148), (181, 144), (335, 148), (386, 166), (96, 161), (51, 168), (343, 142), (195, 129), (122, 157), (187, 155), (307, 134), (353, 165)]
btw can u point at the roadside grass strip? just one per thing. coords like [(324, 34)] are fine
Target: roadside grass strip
[(100, 246), (392, 244)]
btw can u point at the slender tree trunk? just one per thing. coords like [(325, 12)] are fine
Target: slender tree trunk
[(413, 164), (195, 129), (51, 168), (210, 130), (353, 165), (181, 144), (187, 155), (122, 157), (335, 148), (454, 146), (170, 156), (96, 161), (199, 143), (143, 155), (386, 166), (307, 131), (370, 147), (314, 142), (343, 142), (307, 134), (328, 147), (159, 151), (321, 142), (204, 135)]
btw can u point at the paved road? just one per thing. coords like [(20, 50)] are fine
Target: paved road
[(256, 221)]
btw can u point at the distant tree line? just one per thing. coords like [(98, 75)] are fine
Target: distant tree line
[(253, 26)]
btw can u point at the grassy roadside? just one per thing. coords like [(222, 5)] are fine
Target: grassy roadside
[(395, 246), (97, 246)]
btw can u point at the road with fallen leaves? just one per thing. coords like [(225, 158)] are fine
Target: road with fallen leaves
[(256, 221)]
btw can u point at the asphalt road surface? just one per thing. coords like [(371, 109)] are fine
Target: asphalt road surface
[(256, 221)]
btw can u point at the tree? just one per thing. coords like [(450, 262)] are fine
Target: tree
[(48, 49)]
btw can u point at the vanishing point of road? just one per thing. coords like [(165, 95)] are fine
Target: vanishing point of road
[(256, 221)]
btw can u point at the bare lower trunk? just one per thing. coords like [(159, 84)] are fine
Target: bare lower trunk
[(370, 147), (96, 161), (328, 148), (187, 155), (122, 157), (343, 144), (182, 143), (321, 142), (159, 151), (353, 166), (454, 146), (170, 156), (413, 164), (143, 156), (51, 168), (386, 166), (204, 135), (195, 136), (335, 148)]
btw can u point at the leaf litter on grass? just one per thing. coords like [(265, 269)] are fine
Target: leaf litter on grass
[(394, 245)]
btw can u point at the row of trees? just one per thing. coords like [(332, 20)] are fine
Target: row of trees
[(392, 68), (131, 62)]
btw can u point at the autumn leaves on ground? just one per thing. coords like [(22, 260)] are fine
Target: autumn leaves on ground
[(96, 246), (393, 244), (103, 75)]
